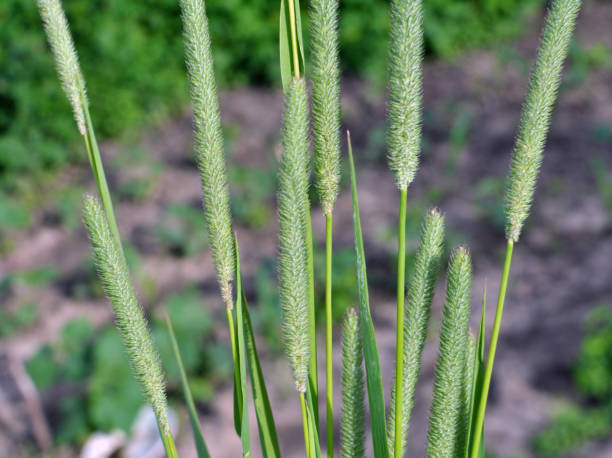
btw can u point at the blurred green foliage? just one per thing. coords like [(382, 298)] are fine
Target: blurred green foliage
[(575, 424), (132, 58), (99, 391)]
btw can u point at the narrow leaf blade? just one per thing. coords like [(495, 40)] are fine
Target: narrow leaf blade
[(370, 348), (198, 438)]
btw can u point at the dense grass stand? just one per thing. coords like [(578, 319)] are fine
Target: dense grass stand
[(464, 369)]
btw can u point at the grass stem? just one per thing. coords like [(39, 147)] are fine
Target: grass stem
[(482, 405), (399, 355), (329, 363), (294, 40), (305, 425)]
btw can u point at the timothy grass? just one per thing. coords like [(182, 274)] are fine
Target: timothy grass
[(463, 373)]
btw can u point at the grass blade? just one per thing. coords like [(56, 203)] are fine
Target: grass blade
[(376, 397), (193, 416), (244, 424), (237, 396), (479, 368), (263, 410)]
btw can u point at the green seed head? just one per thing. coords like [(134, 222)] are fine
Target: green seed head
[(352, 388), (420, 294), (293, 202), (405, 62), (66, 60), (445, 420), (535, 119), (209, 143), (326, 99), (130, 321)]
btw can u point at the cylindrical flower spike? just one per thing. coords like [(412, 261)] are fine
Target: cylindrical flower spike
[(405, 61), (535, 119), (66, 60), (326, 99), (209, 143), (292, 203), (420, 294), (444, 423), (113, 272), (352, 388)]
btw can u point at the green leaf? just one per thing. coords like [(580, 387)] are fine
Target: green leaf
[(285, 42), (193, 416), (244, 424), (235, 356), (263, 411), (370, 348), (313, 431), (479, 369)]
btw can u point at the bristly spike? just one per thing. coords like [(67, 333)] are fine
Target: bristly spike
[(420, 294), (131, 323), (66, 60), (445, 420), (352, 388), (293, 202), (535, 119), (405, 69), (326, 99), (209, 142)]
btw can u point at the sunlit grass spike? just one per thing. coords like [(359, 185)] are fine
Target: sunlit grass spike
[(420, 294), (292, 202), (535, 119), (405, 68), (66, 60), (447, 404), (352, 388), (209, 143), (113, 272)]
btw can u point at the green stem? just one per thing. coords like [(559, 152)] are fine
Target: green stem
[(399, 355), (169, 446), (98, 170), (313, 377), (305, 425), (482, 403), (294, 44), (329, 366)]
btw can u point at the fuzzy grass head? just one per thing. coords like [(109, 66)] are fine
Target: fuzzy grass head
[(113, 272), (66, 60), (447, 405), (293, 202), (209, 142), (420, 295), (325, 99), (405, 69), (535, 119)]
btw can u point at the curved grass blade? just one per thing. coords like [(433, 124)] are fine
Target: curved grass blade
[(376, 397), (198, 438), (237, 396)]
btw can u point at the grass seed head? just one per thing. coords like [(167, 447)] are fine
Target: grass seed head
[(209, 142), (326, 99), (66, 60), (535, 119), (293, 202), (405, 68), (113, 272)]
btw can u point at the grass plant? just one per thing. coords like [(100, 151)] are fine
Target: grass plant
[(464, 369)]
